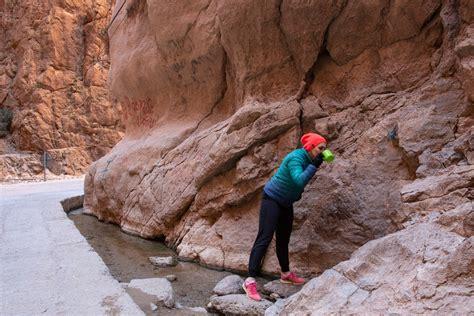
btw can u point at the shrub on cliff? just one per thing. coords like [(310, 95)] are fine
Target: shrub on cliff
[(6, 116)]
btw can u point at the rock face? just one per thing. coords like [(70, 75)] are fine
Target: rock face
[(420, 270), (215, 93), (53, 70)]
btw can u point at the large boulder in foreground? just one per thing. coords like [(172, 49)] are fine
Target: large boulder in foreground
[(422, 269)]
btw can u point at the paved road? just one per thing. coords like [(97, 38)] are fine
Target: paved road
[(46, 265)]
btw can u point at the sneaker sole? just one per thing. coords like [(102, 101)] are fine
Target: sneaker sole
[(243, 286), (289, 282)]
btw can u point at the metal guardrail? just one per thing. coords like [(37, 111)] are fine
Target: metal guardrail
[(48, 159), (47, 162), (46, 156)]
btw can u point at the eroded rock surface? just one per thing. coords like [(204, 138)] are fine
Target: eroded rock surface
[(53, 69), (216, 93), (420, 270)]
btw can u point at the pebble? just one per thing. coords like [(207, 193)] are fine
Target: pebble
[(274, 296), (171, 277)]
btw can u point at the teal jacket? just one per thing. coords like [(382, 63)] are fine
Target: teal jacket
[(288, 183)]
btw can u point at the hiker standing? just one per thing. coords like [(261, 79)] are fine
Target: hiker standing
[(276, 210)]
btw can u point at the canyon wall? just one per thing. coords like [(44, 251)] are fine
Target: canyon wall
[(53, 71), (215, 93)]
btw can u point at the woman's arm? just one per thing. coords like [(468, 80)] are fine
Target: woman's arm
[(300, 177)]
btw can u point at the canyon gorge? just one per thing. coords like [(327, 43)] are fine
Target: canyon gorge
[(179, 112)]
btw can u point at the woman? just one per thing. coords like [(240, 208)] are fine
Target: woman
[(276, 210)]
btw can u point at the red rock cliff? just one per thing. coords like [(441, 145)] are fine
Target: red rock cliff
[(215, 93), (53, 70)]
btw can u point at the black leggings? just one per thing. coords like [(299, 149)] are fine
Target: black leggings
[(273, 218)]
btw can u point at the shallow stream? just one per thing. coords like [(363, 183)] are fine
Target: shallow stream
[(126, 256)]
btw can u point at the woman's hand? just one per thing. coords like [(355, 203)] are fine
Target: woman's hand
[(318, 160)]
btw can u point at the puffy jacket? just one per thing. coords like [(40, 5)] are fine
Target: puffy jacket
[(288, 183)]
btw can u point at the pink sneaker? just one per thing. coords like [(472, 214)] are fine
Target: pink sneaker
[(250, 287), (291, 278)]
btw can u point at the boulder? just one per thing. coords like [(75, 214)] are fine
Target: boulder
[(239, 304), (163, 261), (72, 203), (231, 284), (283, 290), (423, 269), (159, 289)]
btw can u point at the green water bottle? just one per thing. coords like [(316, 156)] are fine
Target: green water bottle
[(328, 156)]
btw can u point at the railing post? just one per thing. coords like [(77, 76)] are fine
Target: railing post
[(44, 165)]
